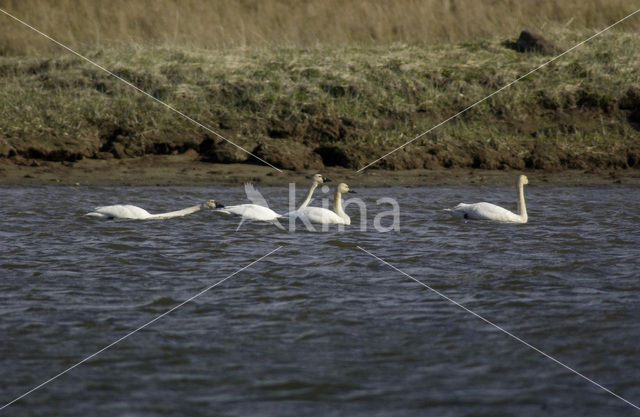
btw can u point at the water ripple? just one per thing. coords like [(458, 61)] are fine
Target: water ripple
[(320, 327)]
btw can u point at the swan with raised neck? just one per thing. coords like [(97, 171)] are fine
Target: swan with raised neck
[(320, 215), (316, 180), (522, 207), (488, 211), (337, 202)]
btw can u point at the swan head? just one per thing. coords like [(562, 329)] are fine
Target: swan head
[(522, 180), (319, 179), (344, 188), (212, 204)]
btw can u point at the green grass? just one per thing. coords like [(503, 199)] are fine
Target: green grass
[(362, 99)]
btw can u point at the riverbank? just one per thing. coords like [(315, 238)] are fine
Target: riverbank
[(186, 169), (316, 108)]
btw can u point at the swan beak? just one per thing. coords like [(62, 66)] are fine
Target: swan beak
[(324, 179), (218, 205), (352, 192)]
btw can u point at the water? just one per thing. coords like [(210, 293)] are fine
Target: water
[(319, 327)]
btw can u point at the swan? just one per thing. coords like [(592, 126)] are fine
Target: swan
[(316, 180), (259, 209), (321, 215), (488, 211), (127, 211)]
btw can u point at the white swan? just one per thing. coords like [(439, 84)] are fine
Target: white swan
[(259, 210), (316, 180), (321, 215), (127, 211), (488, 211)]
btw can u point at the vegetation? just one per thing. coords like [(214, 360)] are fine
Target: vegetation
[(216, 24), (301, 103)]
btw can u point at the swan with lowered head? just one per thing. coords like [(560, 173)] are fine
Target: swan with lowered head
[(259, 209), (488, 211), (127, 211), (321, 215)]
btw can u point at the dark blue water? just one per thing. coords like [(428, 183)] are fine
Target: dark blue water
[(320, 327)]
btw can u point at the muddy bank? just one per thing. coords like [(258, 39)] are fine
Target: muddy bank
[(290, 155), (299, 158), (188, 169), (332, 107), (594, 133)]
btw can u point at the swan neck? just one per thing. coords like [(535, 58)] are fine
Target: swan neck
[(522, 208), (177, 213), (307, 200), (337, 204)]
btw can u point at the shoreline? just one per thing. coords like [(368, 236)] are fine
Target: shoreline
[(327, 106), (187, 170)]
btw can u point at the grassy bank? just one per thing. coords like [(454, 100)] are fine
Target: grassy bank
[(334, 106), (216, 24)]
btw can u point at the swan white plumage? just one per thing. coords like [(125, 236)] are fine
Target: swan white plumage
[(321, 215), (488, 211), (316, 180), (127, 211), (259, 209)]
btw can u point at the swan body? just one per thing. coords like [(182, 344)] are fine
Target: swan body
[(251, 212), (258, 210), (484, 211), (321, 215), (129, 212), (488, 211)]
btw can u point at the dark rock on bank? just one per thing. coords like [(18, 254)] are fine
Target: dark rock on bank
[(531, 42)]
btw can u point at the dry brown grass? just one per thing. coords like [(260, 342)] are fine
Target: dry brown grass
[(223, 24)]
